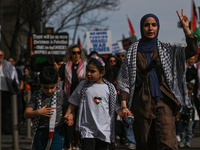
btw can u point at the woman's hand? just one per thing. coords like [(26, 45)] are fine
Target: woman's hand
[(31, 53), (124, 112), (69, 119), (184, 22), (55, 65), (82, 78)]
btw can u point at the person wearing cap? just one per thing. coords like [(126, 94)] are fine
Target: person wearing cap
[(120, 56)]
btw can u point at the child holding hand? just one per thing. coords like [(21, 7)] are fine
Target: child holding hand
[(97, 101), (46, 109)]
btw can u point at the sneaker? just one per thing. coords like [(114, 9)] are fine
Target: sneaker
[(117, 138), (181, 144), (131, 146), (188, 144), (178, 138)]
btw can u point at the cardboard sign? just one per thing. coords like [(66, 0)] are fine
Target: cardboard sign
[(49, 44), (99, 41)]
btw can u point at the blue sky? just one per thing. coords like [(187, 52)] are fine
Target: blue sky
[(165, 10)]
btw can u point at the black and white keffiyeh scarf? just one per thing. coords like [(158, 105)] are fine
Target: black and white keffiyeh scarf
[(173, 63), (112, 103), (52, 120)]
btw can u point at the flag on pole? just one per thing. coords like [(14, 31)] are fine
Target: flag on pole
[(194, 27), (193, 17), (79, 42), (132, 32)]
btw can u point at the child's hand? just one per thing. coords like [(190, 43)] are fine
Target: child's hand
[(124, 113), (119, 112), (45, 111), (69, 119)]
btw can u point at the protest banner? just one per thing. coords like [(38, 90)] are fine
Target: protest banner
[(49, 44), (99, 41), (116, 46)]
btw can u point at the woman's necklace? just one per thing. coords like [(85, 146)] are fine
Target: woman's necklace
[(75, 66)]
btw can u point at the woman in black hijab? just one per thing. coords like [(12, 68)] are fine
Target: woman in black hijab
[(153, 85)]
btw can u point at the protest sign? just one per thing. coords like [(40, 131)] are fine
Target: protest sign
[(99, 41), (116, 46), (49, 44)]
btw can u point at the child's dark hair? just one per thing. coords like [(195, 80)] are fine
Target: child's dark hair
[(190, 86), (107, 68), (48, 75), (59, 60), (27, 67), (92, 53), (111, 56)]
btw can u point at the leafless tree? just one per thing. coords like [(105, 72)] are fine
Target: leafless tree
[(82, 14), (21, 18)]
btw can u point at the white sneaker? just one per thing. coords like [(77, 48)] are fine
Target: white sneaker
[(117, 138), (181, 144), (188, 144), (131, 146), (178, 138)]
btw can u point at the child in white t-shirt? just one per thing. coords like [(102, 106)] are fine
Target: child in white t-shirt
[(97, 101)]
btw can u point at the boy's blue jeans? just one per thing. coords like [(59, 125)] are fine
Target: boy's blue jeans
[(188, 129), (130, 135), (42, 135)]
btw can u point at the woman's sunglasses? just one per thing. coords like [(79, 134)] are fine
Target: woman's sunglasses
[(120, 55), (112, 61), (74, 53)]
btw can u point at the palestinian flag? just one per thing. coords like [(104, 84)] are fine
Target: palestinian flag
[(194, 27), (79, 42), (132, 31), (97, 100)]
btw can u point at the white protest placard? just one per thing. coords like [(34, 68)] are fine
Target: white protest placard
[(99, 41), (116, 46)]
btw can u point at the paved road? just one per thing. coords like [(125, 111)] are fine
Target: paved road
[(24, 143)]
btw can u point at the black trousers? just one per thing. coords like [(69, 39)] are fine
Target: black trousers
[(93, 144), (6, 112)]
